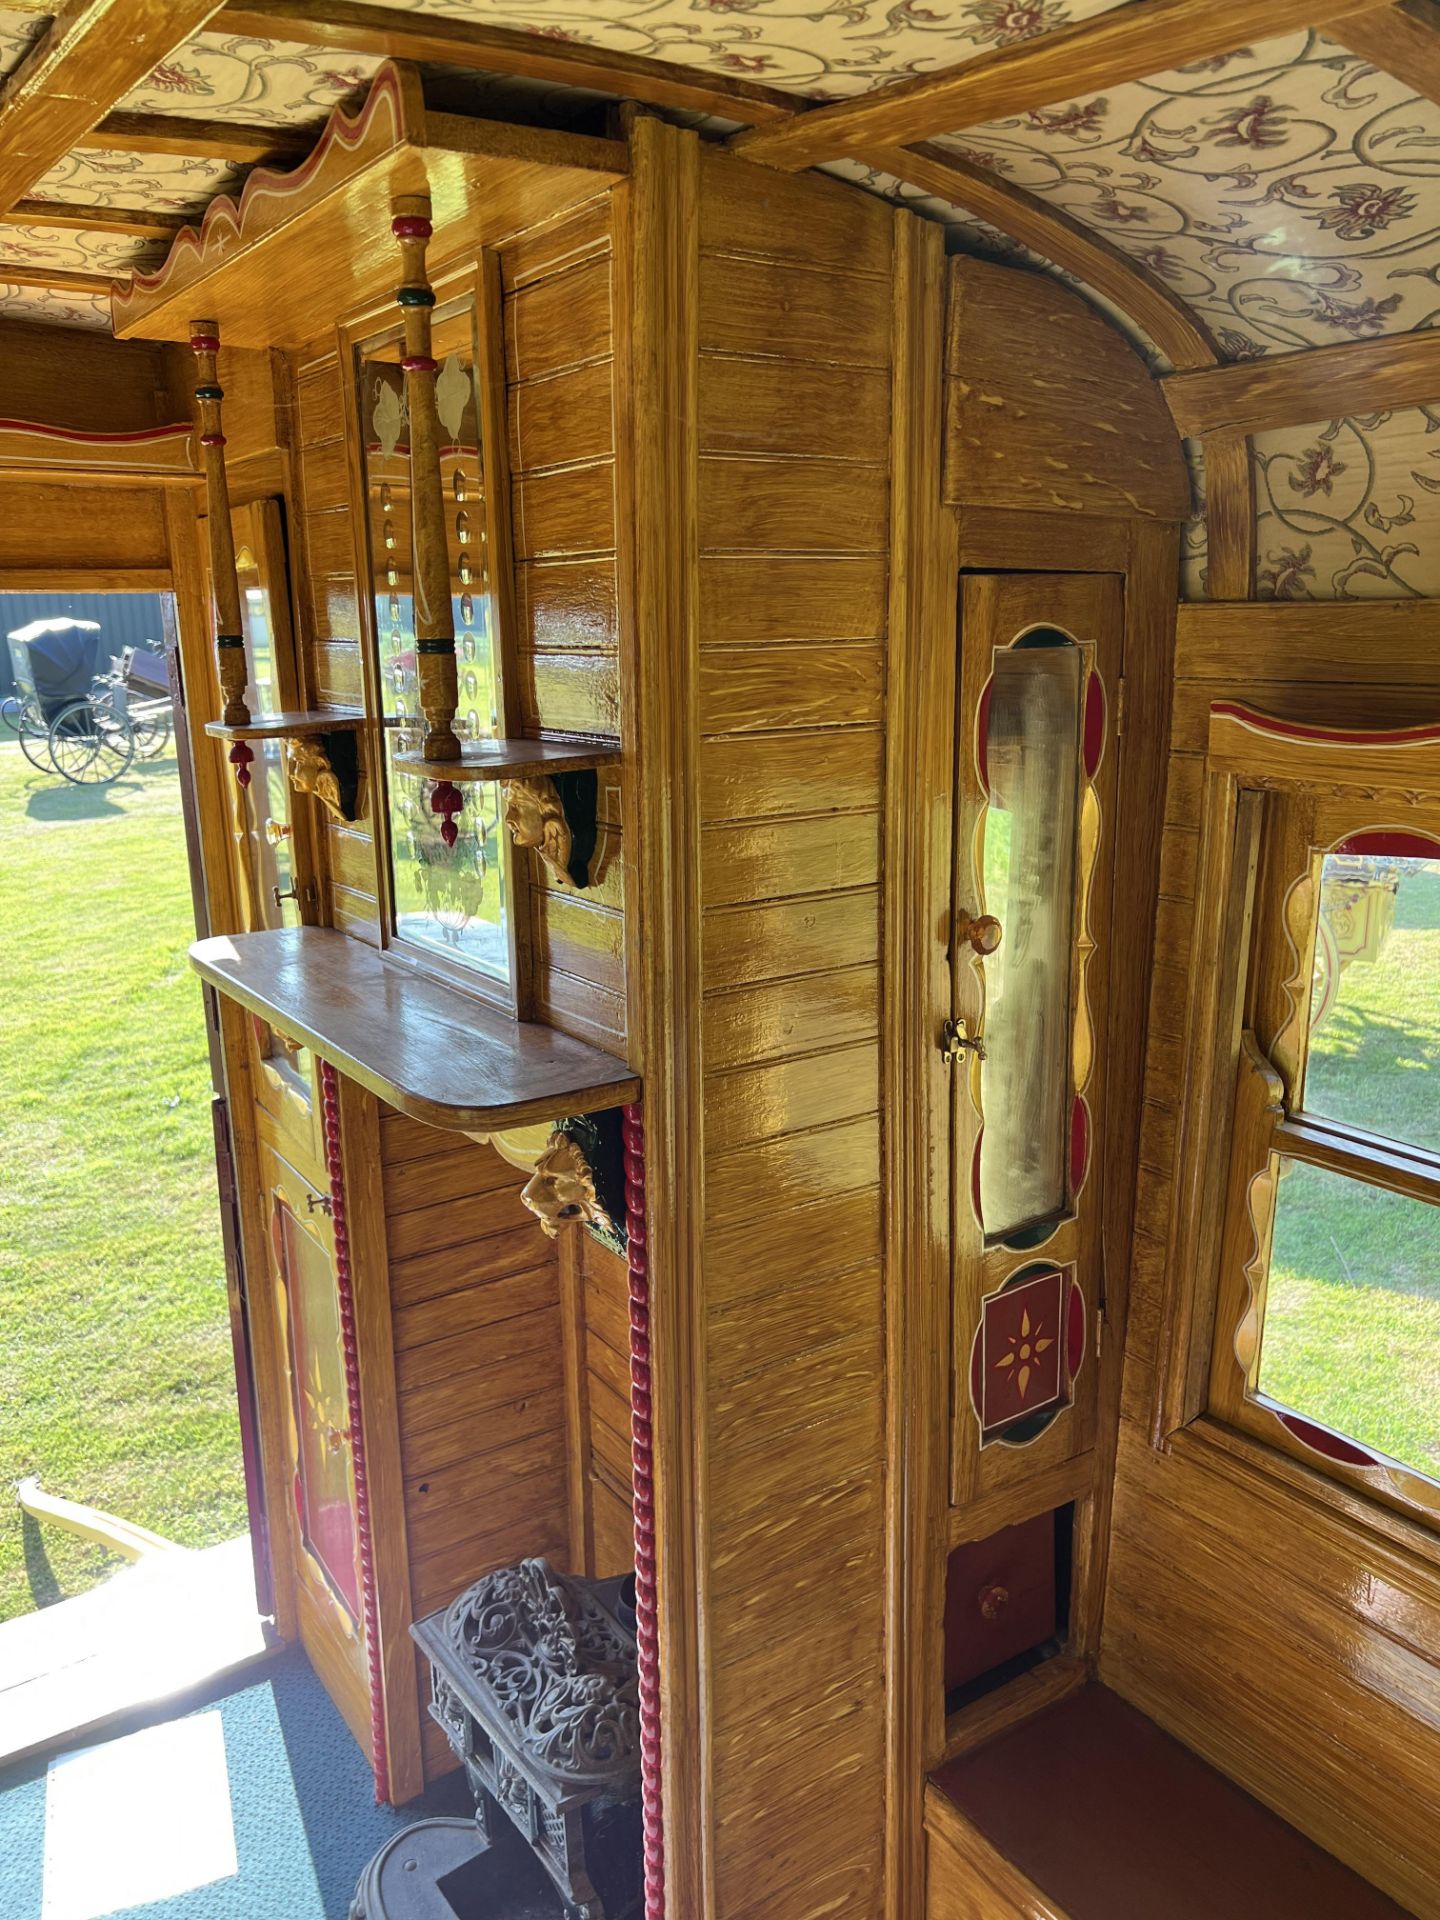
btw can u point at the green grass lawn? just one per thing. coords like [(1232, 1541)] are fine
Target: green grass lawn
[(116, 1380), (1352, 1327)]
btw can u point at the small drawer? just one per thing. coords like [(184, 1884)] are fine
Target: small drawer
[(1000, 1599)]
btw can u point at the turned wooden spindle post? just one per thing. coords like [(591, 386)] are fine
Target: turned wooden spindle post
[(430, 552), (225, 585)]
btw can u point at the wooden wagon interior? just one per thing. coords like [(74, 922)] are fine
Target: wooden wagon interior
[(807, 668)]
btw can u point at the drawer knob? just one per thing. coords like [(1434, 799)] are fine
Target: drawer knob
[(993, 1601)]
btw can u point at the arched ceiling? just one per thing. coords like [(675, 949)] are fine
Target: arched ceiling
[(1227, 200)]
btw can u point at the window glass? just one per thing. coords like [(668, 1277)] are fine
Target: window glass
[(1352, 1313), (1374, 1055), (1032, 774), (448, 900)]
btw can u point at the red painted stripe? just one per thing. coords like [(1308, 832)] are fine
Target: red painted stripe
[(1336, 736), (141, 438), (1321, 1440), (1391, 845)]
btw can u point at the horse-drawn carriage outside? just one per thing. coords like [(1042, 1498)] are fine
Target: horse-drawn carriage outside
[(89, 738)]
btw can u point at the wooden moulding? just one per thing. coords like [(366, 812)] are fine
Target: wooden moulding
[(164, 453), (430, 1050), (289, 726), (511, 760), (299, 249)]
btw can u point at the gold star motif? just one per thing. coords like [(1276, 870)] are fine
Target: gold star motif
[(1024, 1353)]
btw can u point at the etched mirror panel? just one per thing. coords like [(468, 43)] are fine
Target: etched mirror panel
[(448, 900), (1032, 769)]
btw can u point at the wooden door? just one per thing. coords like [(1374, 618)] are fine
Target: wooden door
[(320, 1510), (1034, 854)]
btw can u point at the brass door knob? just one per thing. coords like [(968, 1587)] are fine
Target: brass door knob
[(993, 1601), (981, 931)]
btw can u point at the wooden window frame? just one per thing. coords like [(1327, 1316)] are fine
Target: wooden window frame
[(1278, 794)]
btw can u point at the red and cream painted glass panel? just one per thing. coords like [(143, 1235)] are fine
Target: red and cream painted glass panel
[(1327, 1339), (1035, 778)]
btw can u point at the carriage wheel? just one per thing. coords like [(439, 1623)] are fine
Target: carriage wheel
[(34, 731), (152, 735), (89, 746)]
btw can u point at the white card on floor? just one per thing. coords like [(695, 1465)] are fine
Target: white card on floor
[(138, 1819)]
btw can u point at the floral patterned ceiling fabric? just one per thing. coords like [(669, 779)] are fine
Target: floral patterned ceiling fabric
[(17, 31), (218, 76), (1285, 192), (1348, 510), (158, 183), (824, 49), (78, 252), (40, 305)]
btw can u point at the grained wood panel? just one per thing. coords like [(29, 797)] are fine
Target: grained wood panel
[(441, 1576), (793, 313), (790, 597), (570, 692), (614, 1531), (776, 506), (468, 1170), (558, 322), (566, 418), (794, 407), (439, 1361), (788, 773), (783, 1017), (807, 854), (336, 606), (789, 1171), (456, 1223), (336, 672), (569, 511), (812, 935), (437, 1527), (533, 1371), (542, 251), (317, 395), (495, 1256), (483, 1430), (454, 1316), (782, 218), (324, 476), (759, 689), (804, 1240), (566, 606), (760, 1102), (580, 939), (330, 545)]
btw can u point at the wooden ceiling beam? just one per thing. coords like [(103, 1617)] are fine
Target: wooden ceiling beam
[(1130, 43), (349, 27), (196, 139), (134, 221), (1047, 230), (1315, 383), (18, 273), (92, 53), (1402, 39)]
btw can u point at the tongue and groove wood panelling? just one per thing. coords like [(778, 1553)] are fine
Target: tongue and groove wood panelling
[(479, 1370), (793, 489), (1320, 1618), (558, 325)]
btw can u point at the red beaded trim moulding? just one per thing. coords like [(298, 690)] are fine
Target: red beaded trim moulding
[(379, 1749), (647, 1646)]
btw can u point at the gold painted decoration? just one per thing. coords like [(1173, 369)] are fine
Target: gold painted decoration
[(535, 818), (561, 1191), (308, 766)]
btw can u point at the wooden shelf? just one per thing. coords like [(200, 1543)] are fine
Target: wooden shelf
[(511, 760), (290, 726), (428, 1049)]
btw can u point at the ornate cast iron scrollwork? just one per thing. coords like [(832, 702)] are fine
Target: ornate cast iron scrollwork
[(559, 1668), (561, 1191)]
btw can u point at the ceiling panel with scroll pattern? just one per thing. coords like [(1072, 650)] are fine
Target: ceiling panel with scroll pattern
[(1286, 193)]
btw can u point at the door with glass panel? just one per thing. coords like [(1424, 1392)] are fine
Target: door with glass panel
[(1033, 874)]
